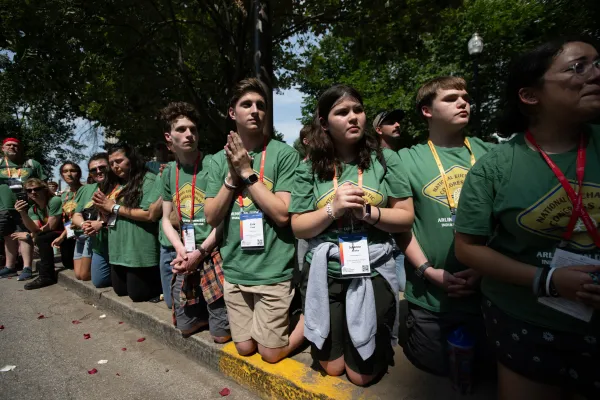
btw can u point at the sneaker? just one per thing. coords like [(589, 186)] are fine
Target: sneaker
[(6, 272), (26, 274), (38, 283)]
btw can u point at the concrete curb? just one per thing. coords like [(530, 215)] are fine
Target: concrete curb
[(288, 379)]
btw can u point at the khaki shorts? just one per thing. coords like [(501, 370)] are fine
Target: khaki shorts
[(259, 312)]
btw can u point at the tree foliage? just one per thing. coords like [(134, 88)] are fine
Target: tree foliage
[(390, 48), (118, 61), (41, 124)]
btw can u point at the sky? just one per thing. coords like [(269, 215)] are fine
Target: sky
[(286, 110)]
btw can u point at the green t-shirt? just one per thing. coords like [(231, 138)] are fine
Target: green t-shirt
[(186, 172), (22, 172), (157, 194), (310, 193), (53, 209), (134, 243), (514, 198), (84, 201), (433, 227), (275, 262)]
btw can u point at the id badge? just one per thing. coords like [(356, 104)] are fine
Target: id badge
[(69, 229), (354, 254), (189, 239), (251, 231), (112, 220)]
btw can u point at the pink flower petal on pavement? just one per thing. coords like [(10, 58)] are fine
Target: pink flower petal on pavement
[(225, 392), (124, 349), (120, 322), (118, 374), (86, 336), (92, 371), (41, 316), (75, 322), (1, 327), (141, 339)]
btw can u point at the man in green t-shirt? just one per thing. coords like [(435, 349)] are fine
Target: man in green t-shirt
[(442, 293), (249, 190), (184, 191), (13, 173)]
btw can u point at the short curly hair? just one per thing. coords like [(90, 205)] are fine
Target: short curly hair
[(176, 110)]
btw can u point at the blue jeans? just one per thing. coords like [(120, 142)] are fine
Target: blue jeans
[(167, 254), (101, 270), (400, 272)]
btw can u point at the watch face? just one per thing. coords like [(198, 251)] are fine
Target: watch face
[(253, 178)]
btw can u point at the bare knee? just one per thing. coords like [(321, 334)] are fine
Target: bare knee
[(246, 348), (335, 367), (272, 356), (359, 379), (221, 339)]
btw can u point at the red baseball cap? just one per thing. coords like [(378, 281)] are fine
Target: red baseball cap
[(11, 139)]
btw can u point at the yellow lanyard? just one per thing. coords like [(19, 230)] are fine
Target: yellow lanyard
[(451, 202)]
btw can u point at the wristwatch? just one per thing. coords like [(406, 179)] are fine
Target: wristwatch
[(420, 272), (115, 209), (250, 180)]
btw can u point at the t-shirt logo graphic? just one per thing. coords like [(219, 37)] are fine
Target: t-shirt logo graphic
[(436, 190), (69, 207), (373, 197), (185, 196), (15, 172), (247, 199), (550, 215)]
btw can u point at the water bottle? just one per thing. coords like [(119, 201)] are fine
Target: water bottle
[(461, 353)]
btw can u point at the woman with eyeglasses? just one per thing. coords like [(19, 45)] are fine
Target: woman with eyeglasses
[(529, 211), (68, 241), (43, 219), (93, 253), (131, 224)]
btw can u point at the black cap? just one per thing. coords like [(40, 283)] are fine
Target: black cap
[(397, 114)]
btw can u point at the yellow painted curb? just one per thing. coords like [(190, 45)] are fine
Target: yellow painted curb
[(288, 379)]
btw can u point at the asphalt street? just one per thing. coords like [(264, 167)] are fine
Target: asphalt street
[(52, 356)]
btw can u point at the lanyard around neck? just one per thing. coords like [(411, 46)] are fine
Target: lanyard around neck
[(10, 171), (450, 198), (576, 199), (261, 177)]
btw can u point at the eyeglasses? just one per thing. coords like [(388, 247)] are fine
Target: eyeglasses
[(583, 68), (98, 170), (34, 190)]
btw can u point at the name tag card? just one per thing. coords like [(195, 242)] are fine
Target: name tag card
[(69, 229), (251, 231), (354, 254), (189, 240)]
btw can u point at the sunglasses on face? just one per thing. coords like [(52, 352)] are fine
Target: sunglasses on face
[(34, 190), (98, 170)]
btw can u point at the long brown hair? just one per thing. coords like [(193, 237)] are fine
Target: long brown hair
[(321, 148)]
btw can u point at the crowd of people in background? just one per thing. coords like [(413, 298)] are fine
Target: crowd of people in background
[(265, 249)]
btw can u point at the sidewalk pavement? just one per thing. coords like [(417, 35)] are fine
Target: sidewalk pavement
[(292, 378)]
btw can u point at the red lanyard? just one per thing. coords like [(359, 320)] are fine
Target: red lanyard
[(263, 157), (193, 188), (10, 172), (576, 198)]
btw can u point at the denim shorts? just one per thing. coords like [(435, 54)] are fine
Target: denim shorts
[(83, 247)]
